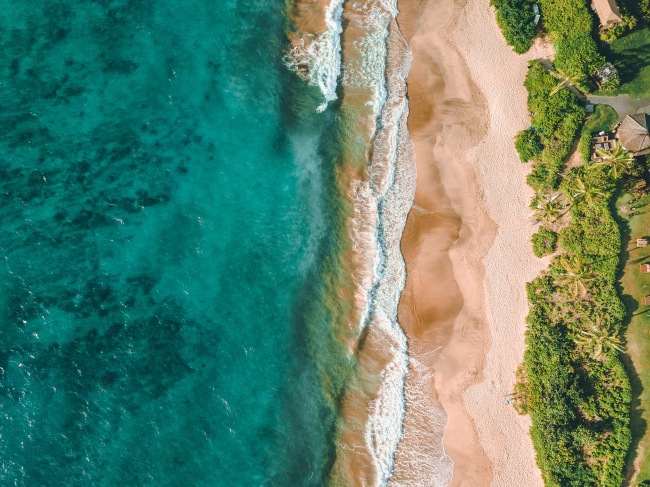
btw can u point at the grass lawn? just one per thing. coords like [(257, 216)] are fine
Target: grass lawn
[(603, 119), (634, 287), (631, 55)]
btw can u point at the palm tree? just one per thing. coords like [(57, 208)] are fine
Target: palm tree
[(597, 339), (616, 161), (586, 191), (547, 210), (575, 275), (566, 78)]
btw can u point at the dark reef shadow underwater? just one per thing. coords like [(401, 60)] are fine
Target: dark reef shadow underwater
[(161, 233)]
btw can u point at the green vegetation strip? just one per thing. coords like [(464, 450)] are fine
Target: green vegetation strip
[(572, 382), (635, 286), (555, 120), (516, 19), (569, 23)]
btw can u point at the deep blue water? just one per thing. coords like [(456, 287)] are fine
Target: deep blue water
[(163, 218)]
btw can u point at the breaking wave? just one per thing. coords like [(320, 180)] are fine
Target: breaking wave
[(378, 158), (316, 57)]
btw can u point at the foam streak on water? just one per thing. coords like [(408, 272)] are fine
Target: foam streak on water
[(381, 204), (377, 150), (420, 460), (316, 56), (392, 177)]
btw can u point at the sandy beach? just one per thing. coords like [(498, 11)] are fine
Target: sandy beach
[(467, 249)]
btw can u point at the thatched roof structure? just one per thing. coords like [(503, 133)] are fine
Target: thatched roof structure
[(607, 11), (633, 133)]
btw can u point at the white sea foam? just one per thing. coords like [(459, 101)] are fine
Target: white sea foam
[(317, 57), (385, 424), (369, 69), (381, 205), (425, 462)]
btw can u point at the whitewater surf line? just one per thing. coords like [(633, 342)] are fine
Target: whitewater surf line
[(316, 56), (374, 107)]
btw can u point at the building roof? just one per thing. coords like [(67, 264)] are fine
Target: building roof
[(606, 72), (633, 132), (607, 11)]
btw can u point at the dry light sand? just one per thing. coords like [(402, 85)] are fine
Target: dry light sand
[(467, 241)]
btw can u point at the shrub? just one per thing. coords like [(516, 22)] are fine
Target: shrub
[(544, 242), (556, 119), (528, 144), (570, 24), (584, 146), (577, 395), (627, 23), (613, 83), (517, 22), (593, 236)]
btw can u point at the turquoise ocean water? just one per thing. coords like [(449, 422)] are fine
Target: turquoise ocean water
[(164, 212)]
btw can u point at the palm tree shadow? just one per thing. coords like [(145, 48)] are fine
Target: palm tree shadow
[(630, 61), (638, 425)]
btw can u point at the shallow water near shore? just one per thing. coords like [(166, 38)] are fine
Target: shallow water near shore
[(202, 206), (166, 203)]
